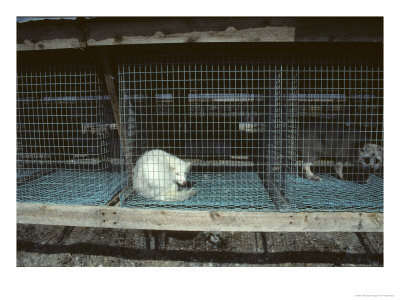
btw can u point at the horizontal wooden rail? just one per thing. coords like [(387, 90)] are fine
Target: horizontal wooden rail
[(190, 220)]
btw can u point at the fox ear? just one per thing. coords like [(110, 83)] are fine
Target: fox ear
[(188, 165)]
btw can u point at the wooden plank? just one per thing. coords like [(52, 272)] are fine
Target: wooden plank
[(229, 35), (42, 35), (185, 220)]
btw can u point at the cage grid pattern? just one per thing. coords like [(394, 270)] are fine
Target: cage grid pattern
[(64, 136), (238, 121), (341, 99)]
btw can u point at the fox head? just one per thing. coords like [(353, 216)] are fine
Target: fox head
[(180, 172), (371, 157)]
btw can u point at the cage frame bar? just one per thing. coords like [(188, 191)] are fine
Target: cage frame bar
[(187, 220), (103, 57)]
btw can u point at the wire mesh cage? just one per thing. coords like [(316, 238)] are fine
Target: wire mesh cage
[(67, 149), (244, 124), (338, 121), (210, 112)]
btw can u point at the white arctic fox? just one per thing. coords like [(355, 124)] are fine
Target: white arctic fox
[(157, 175)]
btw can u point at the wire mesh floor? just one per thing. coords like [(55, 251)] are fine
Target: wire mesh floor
[(333, 194), (71, 187), (216, 191), (245, 192)]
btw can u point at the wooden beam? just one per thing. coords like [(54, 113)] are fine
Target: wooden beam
[(110, 84), (189, 220), (82, 33)]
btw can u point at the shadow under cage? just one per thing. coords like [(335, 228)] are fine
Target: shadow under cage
[(239, 121), (67, 149)]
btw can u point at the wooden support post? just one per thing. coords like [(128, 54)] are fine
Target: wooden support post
[(110, 84)]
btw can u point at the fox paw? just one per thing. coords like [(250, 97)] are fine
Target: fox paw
[(315, 178)]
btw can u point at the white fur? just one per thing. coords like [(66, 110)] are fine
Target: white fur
[(157, 175)]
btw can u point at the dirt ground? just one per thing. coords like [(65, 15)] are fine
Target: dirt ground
[(58, 246)]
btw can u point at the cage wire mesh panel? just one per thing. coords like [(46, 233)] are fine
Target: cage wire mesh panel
[(240, 122), (67, 149), (209, 111), (335, 108)]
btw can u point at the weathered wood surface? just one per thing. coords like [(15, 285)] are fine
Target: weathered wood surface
[(110, 84), (111, 89), (82, 33), (185, 220)]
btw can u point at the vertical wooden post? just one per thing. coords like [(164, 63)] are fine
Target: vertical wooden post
[(110, 84)]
